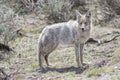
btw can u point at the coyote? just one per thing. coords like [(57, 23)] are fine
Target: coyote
[(72, 32)]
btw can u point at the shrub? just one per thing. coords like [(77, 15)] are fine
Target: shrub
[(115, 5), (6, 23), (6, 34), (111, 6), (57, 10), (111, 11), (24, 6)]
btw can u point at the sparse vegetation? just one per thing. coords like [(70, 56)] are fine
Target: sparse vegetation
[(56, 10), (114, 5), (115, 78), (95, 72), (18, 17), (99, 72)]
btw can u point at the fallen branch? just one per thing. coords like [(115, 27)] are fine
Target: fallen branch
[(5, 47), (1, 70), (20, 33), (7, 76), (17, 30), (4, 74), (91, 40), (114, 38)]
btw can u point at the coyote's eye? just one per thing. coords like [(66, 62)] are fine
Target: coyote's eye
[(85, 23), (81, 23)]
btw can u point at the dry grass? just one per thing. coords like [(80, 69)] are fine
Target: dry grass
[(24, 62), (103, 60)]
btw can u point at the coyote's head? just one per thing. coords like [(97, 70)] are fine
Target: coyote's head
[(84, 21)]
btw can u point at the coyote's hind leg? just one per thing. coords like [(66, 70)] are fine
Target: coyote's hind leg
[(46, 59), (41, 69)]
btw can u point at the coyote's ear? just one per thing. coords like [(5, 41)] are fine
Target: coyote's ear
[(78, 16), (88, 14)]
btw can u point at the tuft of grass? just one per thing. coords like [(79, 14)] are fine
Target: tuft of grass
[(115, 78), (111, 62), (57, 9), (95, 72), (115, 58), (99, 71), (110, 71), (34, 66)]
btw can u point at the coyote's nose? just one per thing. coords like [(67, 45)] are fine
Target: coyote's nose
[(83, 29)]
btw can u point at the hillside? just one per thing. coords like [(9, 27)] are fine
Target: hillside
[(102, 61)]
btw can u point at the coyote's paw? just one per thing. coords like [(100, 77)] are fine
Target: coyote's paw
[(41, 70)]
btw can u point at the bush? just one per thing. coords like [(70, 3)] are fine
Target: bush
[(112, 6), (7, 24), (77, 3), (6, 13), (23, 6), (115, 5), (57, 10), (6, 34)]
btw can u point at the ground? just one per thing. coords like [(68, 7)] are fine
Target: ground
[(103, 61)]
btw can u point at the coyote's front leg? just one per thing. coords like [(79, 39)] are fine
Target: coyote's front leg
[(81, 54), (77, 52)]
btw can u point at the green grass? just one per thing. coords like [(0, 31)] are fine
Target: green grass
[(100, 71), (26, 58), (115, 58), (34, 66), (115, 78), (94, 72)]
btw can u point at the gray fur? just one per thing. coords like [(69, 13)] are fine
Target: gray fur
[(64, 33)]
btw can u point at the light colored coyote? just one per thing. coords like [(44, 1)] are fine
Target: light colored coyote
[(72, 32)]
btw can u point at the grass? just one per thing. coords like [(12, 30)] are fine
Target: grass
[(34, 66), (115, 58), (99, 71), (94, 72), (115, 78), (62, 60)]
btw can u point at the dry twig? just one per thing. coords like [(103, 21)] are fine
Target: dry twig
[(92, 40)]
